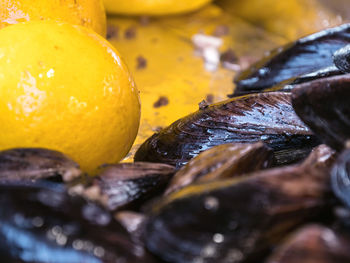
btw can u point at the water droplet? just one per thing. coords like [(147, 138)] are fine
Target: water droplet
[(218, 238), (50, 73), (78, 244), (61, 239), (263, 71), (211, 203), (264, 137), (99, 252), (56, 230), (38, 221), (209, 251)]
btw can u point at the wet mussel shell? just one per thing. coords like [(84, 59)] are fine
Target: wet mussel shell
[(43, 223), (128, 185), (223, 161), (240, 219), (31, 164), (283, 65), (324, 106), (341, 178), (313, 244), (342, 59), (267, 117)]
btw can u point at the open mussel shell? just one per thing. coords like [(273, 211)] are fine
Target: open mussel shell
[(42, 223), (239, 219), (30, 164), (267, 117), (341, 178), (223, 161), (313, 244), (306, 55), (128, 185), (324, 106)]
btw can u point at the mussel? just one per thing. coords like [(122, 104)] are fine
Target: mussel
[(240, 219), (313, 53), (324, 106), (313, 244), (342, 59), (127, 185), (223, 161), (43, 223), (341, 178), (31, 164), (267, 117)]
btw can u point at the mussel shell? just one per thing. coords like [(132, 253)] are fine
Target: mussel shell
[(342, 59), (133, 222), (313, 244), (341, 178), (324, 106), (238, 220), (303, 56), (28, 164), (223, 161), (267, 117), (129, 185), (42, 223)]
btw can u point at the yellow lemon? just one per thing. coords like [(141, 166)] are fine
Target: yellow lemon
[(153, 7), (88, 13), (65, 88)]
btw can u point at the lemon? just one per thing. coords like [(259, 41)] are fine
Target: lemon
[(89, 13), (65, 88), (152, 7)]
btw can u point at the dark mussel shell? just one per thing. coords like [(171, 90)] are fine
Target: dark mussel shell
[(306, 55), (22, 164), (42, 223), (223, 161), (129, 185), (133, 222), (341, 178), (313, 244), (267, 117), (239, 219), (324, 106), (342, 59)]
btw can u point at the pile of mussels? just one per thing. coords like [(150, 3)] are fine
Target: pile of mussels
[(244, 180)]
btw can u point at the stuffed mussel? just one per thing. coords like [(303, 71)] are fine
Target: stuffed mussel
[(267, 117)]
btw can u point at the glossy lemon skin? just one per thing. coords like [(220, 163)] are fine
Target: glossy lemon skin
[(152, 7), (65, 88), (88, 13)]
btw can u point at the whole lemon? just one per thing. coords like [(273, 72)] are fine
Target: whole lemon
[(153, 7), (65, 88), (88, 13)]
